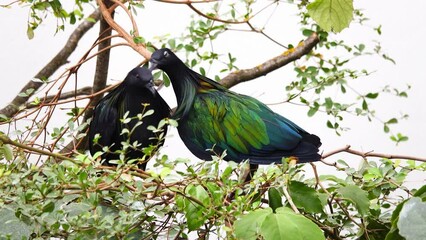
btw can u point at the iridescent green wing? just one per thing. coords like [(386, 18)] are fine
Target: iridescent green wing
[(240, 124), (230, 123)]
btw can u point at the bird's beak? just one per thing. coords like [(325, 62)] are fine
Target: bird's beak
[(153, 66), (151, 87)]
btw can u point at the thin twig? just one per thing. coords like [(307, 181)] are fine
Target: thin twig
[(290, 201), (140, 48), (49, 69), (6, 140), (186, 1), (348, 149), (270, 65)]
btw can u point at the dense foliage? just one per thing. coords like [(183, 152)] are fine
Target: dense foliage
[(45, 193)]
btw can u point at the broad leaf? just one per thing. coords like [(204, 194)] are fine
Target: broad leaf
[(305, 197), (332, 15), (420, 192), (248, 226), (394, 231), (13, 226), (286, 224), (357, 196), (412, 219), (274, 197), (194, 212)]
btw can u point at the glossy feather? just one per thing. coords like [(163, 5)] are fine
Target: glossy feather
[(135, 95), (213, 117)]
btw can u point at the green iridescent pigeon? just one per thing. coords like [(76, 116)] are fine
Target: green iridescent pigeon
[(213, 117)]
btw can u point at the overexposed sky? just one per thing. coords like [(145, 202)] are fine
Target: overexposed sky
[(403, 31)]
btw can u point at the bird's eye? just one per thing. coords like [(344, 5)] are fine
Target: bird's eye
[(166, 54)]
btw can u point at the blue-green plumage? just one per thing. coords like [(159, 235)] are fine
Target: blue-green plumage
[(213, 117)]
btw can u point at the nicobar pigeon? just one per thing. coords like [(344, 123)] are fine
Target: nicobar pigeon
[(212, 117), (135, 95)]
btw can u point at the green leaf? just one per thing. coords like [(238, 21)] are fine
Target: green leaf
[(30, 32), (332, 15), (148, 113), (166, 79), (13, 226), (75, 209), (394, 231), (7, 152), (274, 197), (139, 40), (312, 111), (420, 191), (194, 212), (372, 95), (49, 206), (386, 128), (172, 43), (328, 103), (392, 121), (216, 192), (248, 226), (286, 224), (329, 124), (364, 105), (412, 220), (357, 196), (305, 197)]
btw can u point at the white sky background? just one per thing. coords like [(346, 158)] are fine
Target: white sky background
[(402, 26)]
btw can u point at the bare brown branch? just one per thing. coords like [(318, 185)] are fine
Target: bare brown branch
[(270, 65), (6, 140), (106, 13), (60, 59), (186, 1), (348, 149), (215, 18), (101, 71), (54, 100)]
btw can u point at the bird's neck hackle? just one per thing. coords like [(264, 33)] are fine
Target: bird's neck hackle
[(185, 88), (187, 84)]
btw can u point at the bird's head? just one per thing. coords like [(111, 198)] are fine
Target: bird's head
[(140, 77), (162, 58)]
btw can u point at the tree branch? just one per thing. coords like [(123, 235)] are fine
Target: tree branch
[(288, 56), (186, 1), (60, 59), (371, 154), (140, 48), (65, 95), (101, 71), (215, 18), (6, 140)]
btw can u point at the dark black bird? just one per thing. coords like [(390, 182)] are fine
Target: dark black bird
[(213, 117), (134, 97)]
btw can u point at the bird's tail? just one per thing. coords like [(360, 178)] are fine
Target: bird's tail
[(312, 139), (307, 151)]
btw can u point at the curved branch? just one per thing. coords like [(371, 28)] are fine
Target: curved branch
[(186, 1), (140, 48), (101, 70), (270, 65), (130, 15), (60, 59), (6, 140), (348, 149), (265, 35), (214, 18), (65, 95)]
